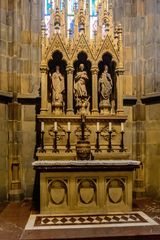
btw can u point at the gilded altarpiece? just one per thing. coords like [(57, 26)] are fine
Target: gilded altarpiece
[(83, 163)]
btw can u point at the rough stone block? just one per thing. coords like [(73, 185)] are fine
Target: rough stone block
[(127, 40), (25, 51), (153, 137), (3, 16), (4, 83), (139, 112), (154, 113), (128, 54), (128, 85), (128, 9), (149, 84), (24, 83), (26, 37), (29, 113), (3, 64), (3, 32), (3, 47)]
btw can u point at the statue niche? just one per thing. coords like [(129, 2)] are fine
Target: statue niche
[(106, 85), (105, 89), (82, 78), (57, 83), (57, 87)]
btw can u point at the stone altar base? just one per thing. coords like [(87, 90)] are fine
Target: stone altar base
[(125, 226), (85, 187)]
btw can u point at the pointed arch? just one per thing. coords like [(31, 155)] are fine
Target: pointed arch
[(82, 45), (107, 46), (56, 45)]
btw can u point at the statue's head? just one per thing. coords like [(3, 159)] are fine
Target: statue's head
[(57, 68), (106, 67), (81, 66)]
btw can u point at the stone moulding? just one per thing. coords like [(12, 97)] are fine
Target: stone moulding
[(88, 164)]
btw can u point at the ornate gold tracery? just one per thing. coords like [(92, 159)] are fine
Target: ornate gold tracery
[(94, 48)]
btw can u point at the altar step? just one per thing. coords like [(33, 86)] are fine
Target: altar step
[(124, 233), (128, 226)]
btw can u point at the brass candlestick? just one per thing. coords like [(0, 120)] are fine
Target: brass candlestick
[(42, 142), (122, 149), (110, 149), (55, 142), (83, 119), (68, 145), (97, 143)]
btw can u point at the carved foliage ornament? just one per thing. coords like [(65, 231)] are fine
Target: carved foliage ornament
[(60, 130), (105, 133)]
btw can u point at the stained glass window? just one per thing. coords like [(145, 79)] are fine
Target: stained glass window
[(71, 6)]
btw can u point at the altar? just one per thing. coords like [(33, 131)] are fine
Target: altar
[(80, 187), (82, 159)]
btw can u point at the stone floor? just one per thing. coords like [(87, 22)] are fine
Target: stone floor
[(14, 216)]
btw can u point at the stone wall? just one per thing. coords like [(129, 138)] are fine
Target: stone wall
[(4, 66), (153, 150), (140, 21), (3, 151), (20, 25), (28, 147)]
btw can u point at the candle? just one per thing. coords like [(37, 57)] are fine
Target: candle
[(110, 126), (55, 126), (69, 126), (122, 127), (97, 126), (42, 126)]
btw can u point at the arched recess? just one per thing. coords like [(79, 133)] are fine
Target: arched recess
[(57, 60), (82, 58), (107, 59)]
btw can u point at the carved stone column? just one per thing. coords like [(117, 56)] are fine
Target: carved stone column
[(69, 90), (44, 101), (94, 90), (120, 74)]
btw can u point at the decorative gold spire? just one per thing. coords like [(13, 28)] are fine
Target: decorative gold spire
[(43, 37), (57, 20), (120, 47), (69, 37)]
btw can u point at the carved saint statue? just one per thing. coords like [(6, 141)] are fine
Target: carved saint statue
[(105, 86), (80, 82), (80, 91), (57, 87)]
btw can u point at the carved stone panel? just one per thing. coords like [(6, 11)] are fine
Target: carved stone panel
[(58, 192), (87, 191), (115, 190), (77, 192)]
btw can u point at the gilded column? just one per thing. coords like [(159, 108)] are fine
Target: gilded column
[(44, 94), (94, 90), (69, 90)]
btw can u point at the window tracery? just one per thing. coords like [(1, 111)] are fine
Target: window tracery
[(71, 7)]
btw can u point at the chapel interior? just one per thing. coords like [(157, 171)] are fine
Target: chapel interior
[(79, 115)]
